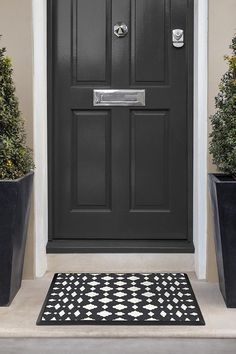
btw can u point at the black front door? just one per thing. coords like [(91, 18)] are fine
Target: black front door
[(120, 176)]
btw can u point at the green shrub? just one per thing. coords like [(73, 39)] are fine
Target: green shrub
[(223, 136), (15, 156)]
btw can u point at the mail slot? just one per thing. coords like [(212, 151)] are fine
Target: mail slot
[(119, 97)]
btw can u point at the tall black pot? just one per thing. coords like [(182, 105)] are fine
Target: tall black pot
[(14, 215), (223, 197)]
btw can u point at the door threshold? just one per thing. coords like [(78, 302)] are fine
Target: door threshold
[(120, 246)]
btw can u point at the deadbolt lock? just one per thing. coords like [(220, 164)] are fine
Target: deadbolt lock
[(178, 38), (120, 29)]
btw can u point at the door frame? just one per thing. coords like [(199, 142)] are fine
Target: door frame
[(39, 8)]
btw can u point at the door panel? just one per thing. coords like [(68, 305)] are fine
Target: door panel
[(91, 37), (91, 146), (120, 173), (149, 40), (149, 171)]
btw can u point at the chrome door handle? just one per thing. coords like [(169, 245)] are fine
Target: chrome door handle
[(178, 38)]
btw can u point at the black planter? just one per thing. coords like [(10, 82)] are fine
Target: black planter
[(223, 197), (14, 214)]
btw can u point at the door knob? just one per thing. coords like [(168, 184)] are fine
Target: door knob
[(178, 38), (120, 29)]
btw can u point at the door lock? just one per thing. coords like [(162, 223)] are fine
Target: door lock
[(120, 29), (178, 38)]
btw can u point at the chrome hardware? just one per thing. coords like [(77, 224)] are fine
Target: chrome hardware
[(178, 38), (119, 97), (120, 29)]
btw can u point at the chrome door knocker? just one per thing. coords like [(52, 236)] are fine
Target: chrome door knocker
[(120, 29)]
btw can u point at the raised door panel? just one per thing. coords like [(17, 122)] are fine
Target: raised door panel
[(91, 41), (150, 25), (91, 160), (149, 161)]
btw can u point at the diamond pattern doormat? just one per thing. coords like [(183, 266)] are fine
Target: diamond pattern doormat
[(120, 299)]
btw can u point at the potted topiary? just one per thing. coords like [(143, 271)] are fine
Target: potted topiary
[(15, 186), (223, 185)]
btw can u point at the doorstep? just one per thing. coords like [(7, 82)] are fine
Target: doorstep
[(19, 319)]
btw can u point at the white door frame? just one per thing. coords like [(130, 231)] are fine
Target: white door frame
[(200, 135)]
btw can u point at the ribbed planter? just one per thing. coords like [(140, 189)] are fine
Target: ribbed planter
[(14, 215), (223, 197)]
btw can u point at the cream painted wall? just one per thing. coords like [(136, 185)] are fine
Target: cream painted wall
[(16, 28), (222, 26), (16, 31)]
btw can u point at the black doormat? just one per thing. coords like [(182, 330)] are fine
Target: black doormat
[(120, 299)]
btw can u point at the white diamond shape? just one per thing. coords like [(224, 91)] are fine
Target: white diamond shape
[(135, 314), (146, 283), (120, 307), (71, 306), (61, 294), (65, 300), (57, 306), (90, 307), (150, 307), (105, 300), (93, 283), (61, 313), (133, 288), (74, 294), (170, 307), (104, 313), (175, 300), (120, 283), (148, 294), (179, 314), (119, 294), (77, 313), (106, 288), (163, 314), (107, 277), (160, 300), (92, 294), (119, 314), (184, 307), (167, 294), (134, 301), (133, 278)]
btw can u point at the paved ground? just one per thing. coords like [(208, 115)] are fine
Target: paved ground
[(19, 319)]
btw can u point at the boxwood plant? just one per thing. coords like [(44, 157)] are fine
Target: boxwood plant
[(223, 136), (15, 156)]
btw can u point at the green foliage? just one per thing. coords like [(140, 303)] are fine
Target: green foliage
[(223, 136), (15, 156)]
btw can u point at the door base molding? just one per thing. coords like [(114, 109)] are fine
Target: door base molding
[(120, 263), (119, 246)]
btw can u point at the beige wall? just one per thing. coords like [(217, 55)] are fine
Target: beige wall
[(16, 31), (222, 26), (16, 28)]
